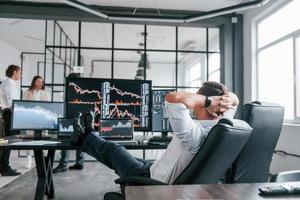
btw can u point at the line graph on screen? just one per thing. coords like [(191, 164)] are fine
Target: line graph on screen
[(110, 99)]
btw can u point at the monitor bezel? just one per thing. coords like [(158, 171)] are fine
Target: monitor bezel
[(34, 129), (145, 129), (112, 138)]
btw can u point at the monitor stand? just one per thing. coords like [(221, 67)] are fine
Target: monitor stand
[(38, 134), (164, 134), (163, 138)]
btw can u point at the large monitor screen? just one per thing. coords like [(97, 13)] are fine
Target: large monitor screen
[(111, 98), (36, 115), (160, 121)]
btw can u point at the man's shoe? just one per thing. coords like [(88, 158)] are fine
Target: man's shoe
[(89, 121), (76, 166), (60, 168), (10, 172), (78, 130)]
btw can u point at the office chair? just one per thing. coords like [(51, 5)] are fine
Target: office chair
[(253, 163), (288, 176), (223, 144)]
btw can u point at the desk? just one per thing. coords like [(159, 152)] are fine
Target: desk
[(211, 191), (44, 164)]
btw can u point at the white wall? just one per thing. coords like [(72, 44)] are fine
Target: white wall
[(8, 55), (290, 135)]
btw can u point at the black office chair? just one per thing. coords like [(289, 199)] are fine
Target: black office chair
[(288, 176), (253, 163), (223, 144)]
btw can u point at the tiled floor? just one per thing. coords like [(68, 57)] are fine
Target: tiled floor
[(16, 163)]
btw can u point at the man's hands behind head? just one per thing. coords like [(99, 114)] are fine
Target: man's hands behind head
[(220, 104)]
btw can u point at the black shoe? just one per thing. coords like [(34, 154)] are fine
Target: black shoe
[(76, 166), (89, 121), (60, 168), (78, 130), (10, 172)]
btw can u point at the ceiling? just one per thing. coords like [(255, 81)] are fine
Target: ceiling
[(24, 35), (28, 36), (195, 5)]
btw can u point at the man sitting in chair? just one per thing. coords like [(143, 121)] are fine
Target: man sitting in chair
[(212, 102)]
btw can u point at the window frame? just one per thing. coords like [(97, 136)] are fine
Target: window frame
[(296, 69)]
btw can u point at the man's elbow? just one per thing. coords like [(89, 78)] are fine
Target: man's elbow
[(171, 97)]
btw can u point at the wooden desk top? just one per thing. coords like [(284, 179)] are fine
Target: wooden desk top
[(204, 192)]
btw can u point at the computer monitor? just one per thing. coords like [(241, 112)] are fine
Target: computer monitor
[(36, 115), (65, 127), (160, 121), (116, 128), (110, 98)]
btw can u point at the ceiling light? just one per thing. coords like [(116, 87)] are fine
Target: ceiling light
[(139, 74), (142, 64)]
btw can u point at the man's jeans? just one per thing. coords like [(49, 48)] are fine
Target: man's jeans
[(115, 156), (65, 155)]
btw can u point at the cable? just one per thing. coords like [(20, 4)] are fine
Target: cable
[(286, 153)]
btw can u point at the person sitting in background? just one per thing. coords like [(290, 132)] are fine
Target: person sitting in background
[(65, 154), (212, 102), (9, 91), (36, 92)]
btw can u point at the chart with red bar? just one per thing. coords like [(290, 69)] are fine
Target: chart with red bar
[(110, 98)]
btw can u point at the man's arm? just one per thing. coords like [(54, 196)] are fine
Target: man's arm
[(192, 101)]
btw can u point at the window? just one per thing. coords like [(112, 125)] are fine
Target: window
[(194, 76), (278, 59), (176, 57)]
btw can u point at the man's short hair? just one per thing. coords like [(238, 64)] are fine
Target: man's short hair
[(212, 88), (10, 70)]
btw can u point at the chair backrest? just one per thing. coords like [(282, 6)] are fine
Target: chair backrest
[(253, 163), (221, 147)]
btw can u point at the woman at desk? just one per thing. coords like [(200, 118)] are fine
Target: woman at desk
[(36, 92)]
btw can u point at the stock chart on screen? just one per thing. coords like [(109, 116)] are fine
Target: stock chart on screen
[(160, 119), (110, 98)]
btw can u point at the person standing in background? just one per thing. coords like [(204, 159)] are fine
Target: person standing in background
[(9, 91), (65, 154), (36, 92)]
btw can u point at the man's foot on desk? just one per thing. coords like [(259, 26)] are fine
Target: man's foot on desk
[(76, 166), (60, 168), (80, 130), (10, 172)]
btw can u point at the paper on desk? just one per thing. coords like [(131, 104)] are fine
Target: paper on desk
[(35, 143)]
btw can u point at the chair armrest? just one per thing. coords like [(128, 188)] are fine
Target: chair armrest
[(138, 180)]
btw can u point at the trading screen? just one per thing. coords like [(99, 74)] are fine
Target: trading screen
[(116, 128), (110, 98), (160, 121), (65, 125)]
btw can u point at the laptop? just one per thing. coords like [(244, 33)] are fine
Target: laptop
[(65, 127), (116, 129)]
